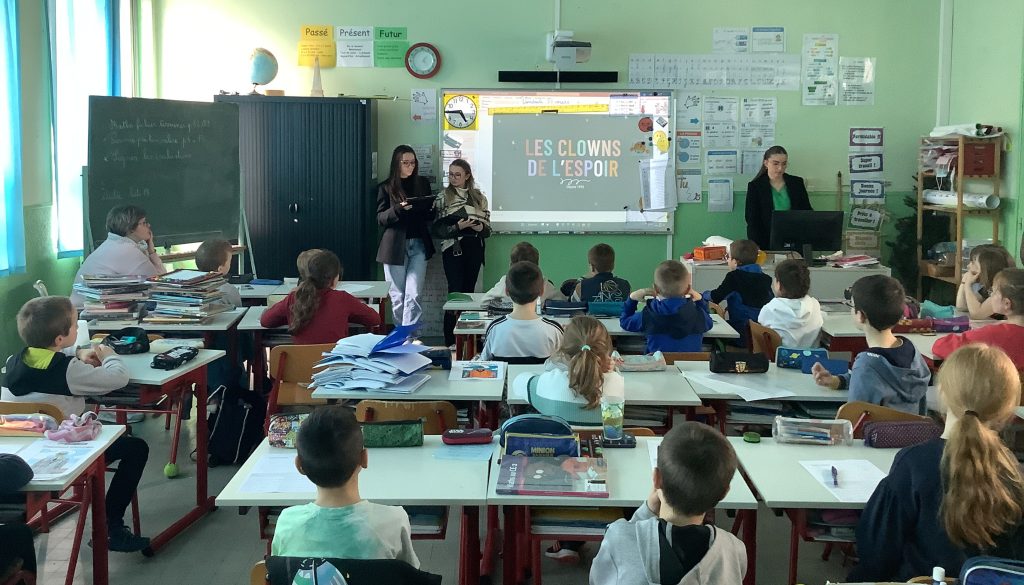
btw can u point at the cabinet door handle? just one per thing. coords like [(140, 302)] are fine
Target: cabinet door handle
[(293, 207)]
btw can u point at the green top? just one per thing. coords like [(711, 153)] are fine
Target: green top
[(780, 199)]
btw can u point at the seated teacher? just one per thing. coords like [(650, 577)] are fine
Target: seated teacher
[(127, 251), (772, 190)]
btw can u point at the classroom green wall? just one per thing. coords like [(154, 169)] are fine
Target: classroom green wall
[(204, 47), (986, 86), (41, 262)]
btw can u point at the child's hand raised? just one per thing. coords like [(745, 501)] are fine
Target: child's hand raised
[(822, 377)]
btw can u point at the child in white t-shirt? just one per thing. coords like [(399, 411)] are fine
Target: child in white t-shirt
[(794, 314)]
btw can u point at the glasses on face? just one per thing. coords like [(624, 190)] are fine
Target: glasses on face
[(408, 163)]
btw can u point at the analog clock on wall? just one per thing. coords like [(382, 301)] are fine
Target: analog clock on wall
[(460, 111)]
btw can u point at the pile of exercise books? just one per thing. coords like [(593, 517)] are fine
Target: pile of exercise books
[(112, 300), (373, 362), (185, 297)]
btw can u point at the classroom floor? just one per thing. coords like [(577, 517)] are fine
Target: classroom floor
[(222, 547)]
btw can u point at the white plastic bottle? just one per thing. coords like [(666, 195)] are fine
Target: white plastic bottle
[(938, 576)]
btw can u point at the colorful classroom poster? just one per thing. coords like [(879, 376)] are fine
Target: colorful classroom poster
[(730, 40), (688, 147), (720, 162), (355, 46), (757, 122), (856, 81), (720, 195), (768, 39), (819, 72), (390, 44)]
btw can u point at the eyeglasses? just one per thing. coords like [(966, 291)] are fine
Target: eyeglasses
[(408, 163)]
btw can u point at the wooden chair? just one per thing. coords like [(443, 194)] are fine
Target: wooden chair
[(291, 369), (860, 413), (31, 408), (258, 574), (764, 340), (438, 415), (710, 413)]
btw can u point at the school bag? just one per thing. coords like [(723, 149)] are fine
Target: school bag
[(534, 424), (236, 426), (320, 571), (991, 571)]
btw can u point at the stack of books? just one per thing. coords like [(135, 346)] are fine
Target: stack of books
[(373, 362), (114, 301), (186, 297)]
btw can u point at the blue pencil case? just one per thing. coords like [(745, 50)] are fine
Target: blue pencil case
[(786, 357), (266, 281), (834, 367), (605, 308)]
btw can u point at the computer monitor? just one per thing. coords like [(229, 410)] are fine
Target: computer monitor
[(806, 231)]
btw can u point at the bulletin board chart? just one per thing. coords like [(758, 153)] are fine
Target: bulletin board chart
[(566, 161)]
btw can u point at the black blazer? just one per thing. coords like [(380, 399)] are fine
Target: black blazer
[(397, 223), (760, 206)]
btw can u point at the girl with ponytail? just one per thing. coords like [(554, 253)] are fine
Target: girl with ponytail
[(957, 496), (315, 312)]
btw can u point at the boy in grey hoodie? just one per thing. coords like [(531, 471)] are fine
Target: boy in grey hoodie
[(666, 540), (794, 314), (890, 372)]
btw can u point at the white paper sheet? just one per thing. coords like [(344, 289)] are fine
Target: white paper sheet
[(721, 162), (276, 473), (720, 195), (355, 46), (53, 460), (856, 81), (820, 70), (653, 188), (426, 160), (352, 288), (768, 39), (779, 72), (751, 160), (10, 448), (749, 387), (688, 185), (423, 107), (482, 452), (689, 112), (652, 450), (730, 40), (857, 478)]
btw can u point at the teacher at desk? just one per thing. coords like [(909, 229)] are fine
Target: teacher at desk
[(405, 209), (127, 251), (772, 190)]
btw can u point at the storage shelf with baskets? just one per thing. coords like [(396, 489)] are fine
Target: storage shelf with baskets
[(976, 160)]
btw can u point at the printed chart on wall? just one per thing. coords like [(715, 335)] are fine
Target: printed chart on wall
[(562, 161)]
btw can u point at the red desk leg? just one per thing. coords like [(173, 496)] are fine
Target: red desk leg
[(748, 521), (487, 558), (798, 519), (97, 488), (204, 503), (469, 556), (508, 548)]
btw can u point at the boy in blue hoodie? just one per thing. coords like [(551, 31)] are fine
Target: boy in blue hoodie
[(676, 319), (890, 372), (745, 288), (666, 540)]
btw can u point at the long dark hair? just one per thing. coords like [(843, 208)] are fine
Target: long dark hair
[(768, 154), (322, 269), (394, 182), (473, 195)]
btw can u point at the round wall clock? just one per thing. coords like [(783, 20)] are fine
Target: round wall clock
[(423, 60), (460, 111)]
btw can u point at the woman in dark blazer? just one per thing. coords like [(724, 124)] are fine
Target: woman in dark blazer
[(405, 209), (772, 190)]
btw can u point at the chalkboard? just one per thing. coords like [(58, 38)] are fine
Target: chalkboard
[(178, 160)]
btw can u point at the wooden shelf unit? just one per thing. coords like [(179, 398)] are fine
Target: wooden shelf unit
[(959, 212)]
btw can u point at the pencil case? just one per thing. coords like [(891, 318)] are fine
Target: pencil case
[(284, 428), (640, 363), (791, 358), (899, 434), (738, 363), (605, 308), (812, 431), (393, 433)]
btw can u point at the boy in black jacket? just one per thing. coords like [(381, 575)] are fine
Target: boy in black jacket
[(745, 288)]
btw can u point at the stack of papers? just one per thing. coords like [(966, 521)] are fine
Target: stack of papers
[(373, 362), (112, 299)]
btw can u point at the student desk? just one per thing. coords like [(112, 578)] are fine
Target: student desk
[(838, 333), (411, 476), (256, 294), (371, 291), (827, 282), (219, 322), (180, 380), (91, 469), (476, 304), (439, 387), (666, 388), (800, 384), (466, 337), (774, 472), (629, 484)]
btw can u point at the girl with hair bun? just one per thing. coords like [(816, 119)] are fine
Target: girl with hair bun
[(956, 496)]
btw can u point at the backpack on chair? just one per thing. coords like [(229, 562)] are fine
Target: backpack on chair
[(235, 426)]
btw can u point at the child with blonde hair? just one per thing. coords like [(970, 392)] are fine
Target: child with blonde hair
[(957, 496)]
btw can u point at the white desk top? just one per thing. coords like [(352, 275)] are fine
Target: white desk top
[(802, 385), (251, 321), (410, 475), (360, 289), (629, 484), (219, 322), (842, 326), (99, 445), (439, 387), (720, 329), (256, 291), (781, 482), (474, 305), (666, 388), (140, 371)]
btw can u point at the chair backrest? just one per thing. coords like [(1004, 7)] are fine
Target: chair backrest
[(258, 574), (717, 309), (438, 415), (860, 413), (294, 363), (672, 357), (31, 408), (274, 299), (764, 340)]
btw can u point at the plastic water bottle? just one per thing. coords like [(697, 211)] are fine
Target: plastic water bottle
[(938, 576)]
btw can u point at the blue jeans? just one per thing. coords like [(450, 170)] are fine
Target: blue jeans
[(405, 280)]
